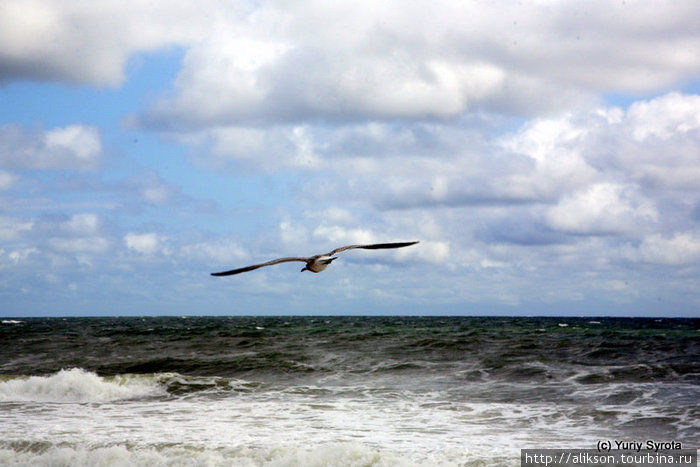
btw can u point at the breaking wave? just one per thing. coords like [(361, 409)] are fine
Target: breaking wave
[(327, 455), (77, 385)]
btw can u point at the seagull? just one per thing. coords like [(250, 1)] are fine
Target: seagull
[(316, 263)]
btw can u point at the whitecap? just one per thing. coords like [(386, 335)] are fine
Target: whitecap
[(326, 455), (11, 321), (77, 385)]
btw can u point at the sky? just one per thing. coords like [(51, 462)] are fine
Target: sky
[(545, 153)]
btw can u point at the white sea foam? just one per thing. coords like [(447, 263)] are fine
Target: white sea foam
[(326, 455), (11, 321), (306, 425), (77, 385)]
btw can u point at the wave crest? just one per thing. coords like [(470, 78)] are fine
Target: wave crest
[(325, 455), (77, 385)]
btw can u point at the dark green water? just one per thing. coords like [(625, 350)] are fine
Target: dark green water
[(568, 381)]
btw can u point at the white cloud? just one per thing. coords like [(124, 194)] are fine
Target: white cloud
[(671, 115), (21, 255), (156, 194), (85, 42), (12, 228), (341, 236), (14, 259), (263, 148), (7, 180), (223, 253), (429, 251), (92, 244), (303, 60), (152, 188), (83, 142), (556, 146), (682, 248), (421, 164), (299, 61), (654, 142), (288, 62), (82, 224), (603, 208), (70, 147), (146, 243), (79, 235)]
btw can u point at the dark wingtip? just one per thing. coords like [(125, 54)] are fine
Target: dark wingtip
[(381, 246), (225, 273)]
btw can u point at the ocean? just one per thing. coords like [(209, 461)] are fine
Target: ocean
[(339, 391)]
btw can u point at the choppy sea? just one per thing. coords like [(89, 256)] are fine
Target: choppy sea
[(339, 391)]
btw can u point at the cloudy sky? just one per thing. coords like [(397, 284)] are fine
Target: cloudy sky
[(546, 154)]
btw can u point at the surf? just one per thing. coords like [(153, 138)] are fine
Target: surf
[(77, 385)]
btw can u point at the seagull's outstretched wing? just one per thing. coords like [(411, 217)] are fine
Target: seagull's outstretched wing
[(256, 266), (375, 246)]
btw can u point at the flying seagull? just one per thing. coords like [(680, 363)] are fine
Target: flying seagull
[(316, 263)]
